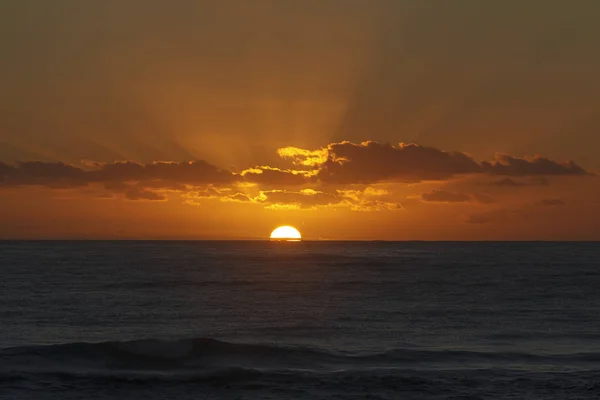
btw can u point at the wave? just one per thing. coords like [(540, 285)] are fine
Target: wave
[(162, 355), (210, 356), (161, 349), (154, 368)]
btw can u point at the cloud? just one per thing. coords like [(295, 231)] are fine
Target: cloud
[(278, 198), (370, 162), (192, 173), (440, 196), (507, 182), (536, 166), (134, 194), (132, 180), (133, 191), (304, 157), (338, 174), (54, 174), (484, 198), (376, 205), (486, 217), (50, 174), (307, 198), (238, 197), (194, 197), (510, 182), (368, 199), (274, 176), (500, 215), (550, 202)]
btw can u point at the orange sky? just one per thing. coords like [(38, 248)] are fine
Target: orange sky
[(348, 119)]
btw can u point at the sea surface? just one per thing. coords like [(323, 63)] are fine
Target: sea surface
[(299, 320)]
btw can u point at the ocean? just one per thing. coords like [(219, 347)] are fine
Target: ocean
[(299, 320)]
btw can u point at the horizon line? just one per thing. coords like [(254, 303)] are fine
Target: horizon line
[(268, 240)]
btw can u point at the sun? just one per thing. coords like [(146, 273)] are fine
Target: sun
[(286, 233)]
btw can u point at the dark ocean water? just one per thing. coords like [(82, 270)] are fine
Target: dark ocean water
[(299, 320)]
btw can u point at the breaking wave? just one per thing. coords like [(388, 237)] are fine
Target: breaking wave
[(153, 367), (210, 355)]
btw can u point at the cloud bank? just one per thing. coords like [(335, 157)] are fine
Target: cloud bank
[(334, 175)]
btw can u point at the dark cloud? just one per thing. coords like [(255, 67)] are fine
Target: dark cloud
[(164, 185), (370, 162), (188, 173), (511, 182), (377, 205), (337, 165), (134, 194), (54, 174), (440, 196), (133, 191), (538, 166), (211, 192), (507, 182), (50, 174), (132, 180)]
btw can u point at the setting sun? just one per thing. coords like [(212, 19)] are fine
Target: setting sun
[(286, 233)]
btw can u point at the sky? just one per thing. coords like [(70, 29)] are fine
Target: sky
[(348, 119)]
